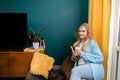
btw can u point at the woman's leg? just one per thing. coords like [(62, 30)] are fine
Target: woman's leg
[(82, 72)]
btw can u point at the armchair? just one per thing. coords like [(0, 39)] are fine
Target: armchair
[(65, 67)]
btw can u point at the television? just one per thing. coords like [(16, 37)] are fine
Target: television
[(13, 31)]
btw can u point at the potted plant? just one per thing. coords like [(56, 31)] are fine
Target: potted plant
[(36, 37)]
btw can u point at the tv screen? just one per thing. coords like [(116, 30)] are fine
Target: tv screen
[(13, 31)]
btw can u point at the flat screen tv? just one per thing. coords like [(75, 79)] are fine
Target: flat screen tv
[(13, 31)]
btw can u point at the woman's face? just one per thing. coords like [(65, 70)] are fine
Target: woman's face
[(82, 32)]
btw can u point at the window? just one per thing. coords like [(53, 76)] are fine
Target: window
[(117, 53), (114, 43)]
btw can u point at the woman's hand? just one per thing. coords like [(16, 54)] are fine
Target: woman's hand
[(78, 51), (74, 54)]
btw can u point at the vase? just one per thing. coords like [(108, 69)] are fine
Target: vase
[(36, 45)]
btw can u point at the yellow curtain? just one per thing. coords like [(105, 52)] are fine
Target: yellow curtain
[(99, 20)]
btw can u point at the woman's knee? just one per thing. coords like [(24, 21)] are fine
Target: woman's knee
[(76, 71)]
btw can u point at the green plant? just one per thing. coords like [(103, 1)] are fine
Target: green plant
[(75, 35), (36, 34)]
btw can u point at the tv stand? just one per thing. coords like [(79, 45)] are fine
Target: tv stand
[(10, 50), (14, 63)]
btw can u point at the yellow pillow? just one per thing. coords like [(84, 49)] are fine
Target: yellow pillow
[(41, 64)]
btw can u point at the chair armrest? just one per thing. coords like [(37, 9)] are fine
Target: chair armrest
[(67, 66)]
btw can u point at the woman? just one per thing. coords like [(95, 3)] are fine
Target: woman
[(87, 56)]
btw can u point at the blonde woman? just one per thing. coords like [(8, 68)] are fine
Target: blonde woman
[(87, 56)]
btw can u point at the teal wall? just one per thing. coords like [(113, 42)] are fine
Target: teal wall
[(61, 18)]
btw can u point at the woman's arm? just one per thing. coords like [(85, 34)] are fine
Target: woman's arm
[(93, 53)]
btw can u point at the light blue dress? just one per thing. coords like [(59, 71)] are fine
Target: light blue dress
[(94, 57)]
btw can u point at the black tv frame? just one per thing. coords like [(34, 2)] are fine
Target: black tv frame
[(13, 31)]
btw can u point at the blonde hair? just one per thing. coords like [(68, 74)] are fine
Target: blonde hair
[(86, 40)]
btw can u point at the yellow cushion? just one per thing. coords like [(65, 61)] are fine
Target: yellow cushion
[(41, 64)]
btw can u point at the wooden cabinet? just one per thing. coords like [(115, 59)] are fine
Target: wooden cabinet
[(4, 64), (14, 64)]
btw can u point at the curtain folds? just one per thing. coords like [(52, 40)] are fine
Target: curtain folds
[(99, 20)]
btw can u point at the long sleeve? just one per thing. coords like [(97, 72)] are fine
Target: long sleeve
[(93, 53)]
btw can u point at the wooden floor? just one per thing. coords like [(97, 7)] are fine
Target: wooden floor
[(12, 78)]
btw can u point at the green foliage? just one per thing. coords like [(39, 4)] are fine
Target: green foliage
[(75, 36), (75, 33), (36, 34)]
